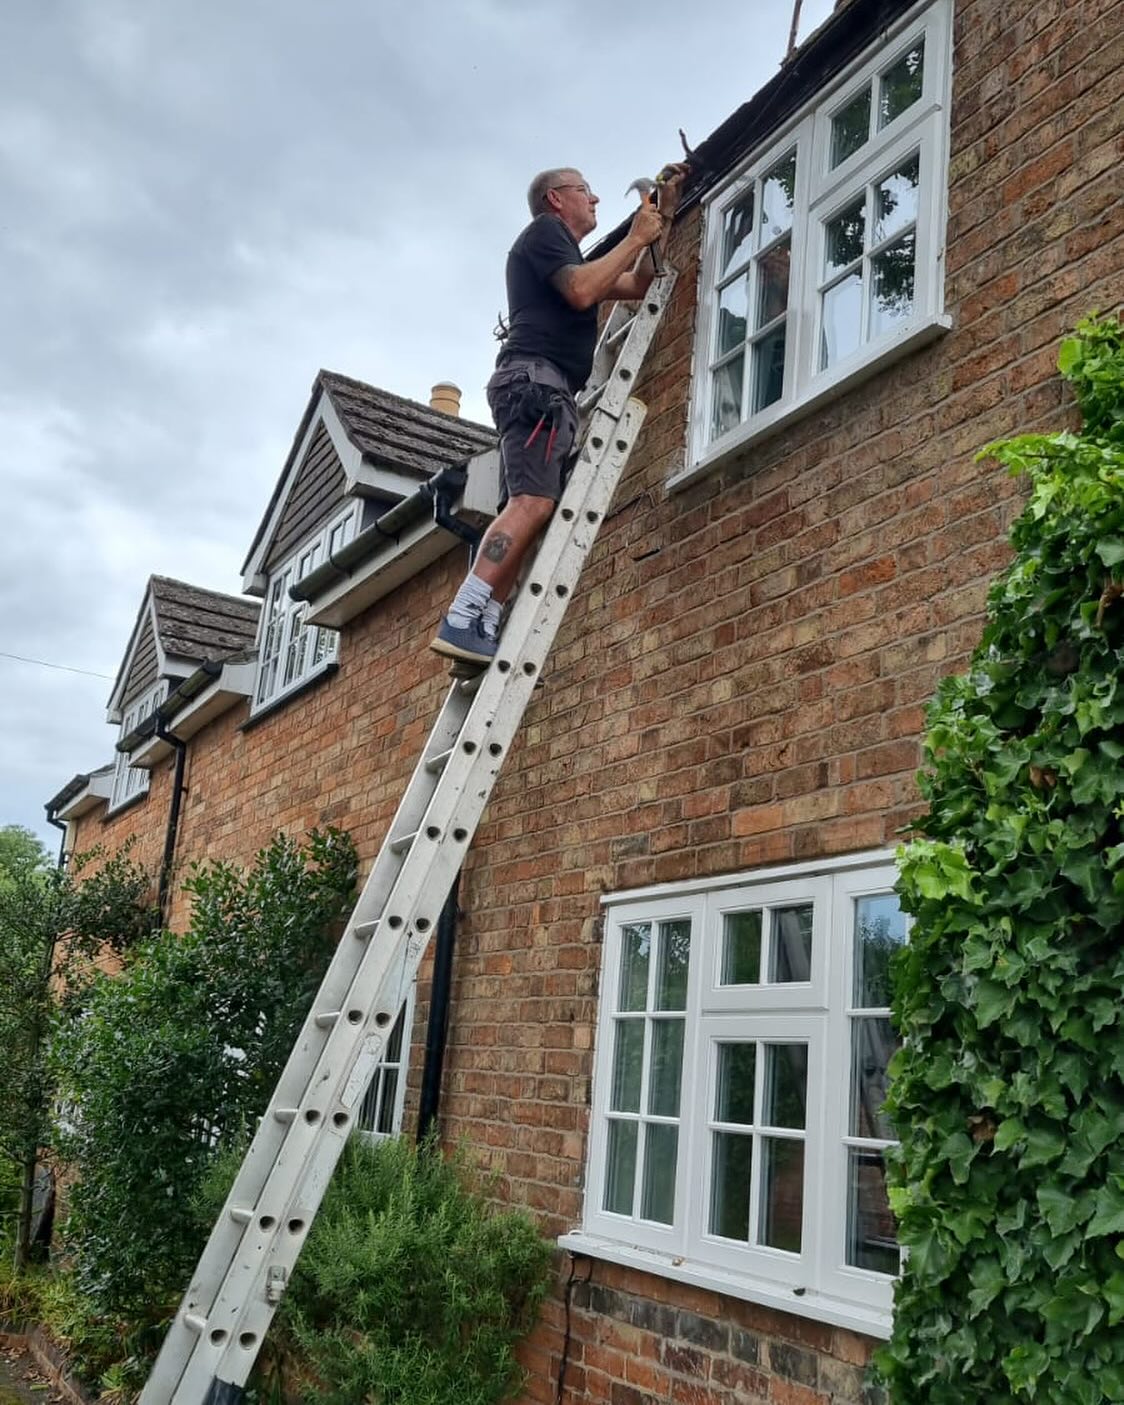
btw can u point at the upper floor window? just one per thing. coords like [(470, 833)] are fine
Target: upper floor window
[(130, 781), (826, 253), (289, 651), (380, 1113), (742, 1050)]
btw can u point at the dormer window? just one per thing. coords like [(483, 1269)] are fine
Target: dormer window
[(289, 651), (132, 781)]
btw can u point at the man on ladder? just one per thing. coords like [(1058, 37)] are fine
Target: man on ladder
[(546, 358)]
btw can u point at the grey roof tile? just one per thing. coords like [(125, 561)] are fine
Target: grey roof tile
[(193, 623)]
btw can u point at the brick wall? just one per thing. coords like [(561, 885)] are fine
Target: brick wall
[(740, 680)]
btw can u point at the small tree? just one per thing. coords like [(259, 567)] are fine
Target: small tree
[(20, 850), (179, 1052), (1009, 1185), (52, 924)]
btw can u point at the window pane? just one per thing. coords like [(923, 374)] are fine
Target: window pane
[(842, 320), (782, 1194), (657, 1197), (628, 1063), (620, 1172), (737, 233), (786, 1085), (368, 1109), (388, 1093), (777, 191), (873, 1041), (729, 1191), (772, 283), (667, 1067), (891, 293), (791, 954), (895, 200), (741, 948), (901, 85), (768, 368), (871, 1234), (850, 128), (845, 237), (394, 1044), (674, 962), (735, 1092), (733, 309), (636, 945), (727, 392), (879, 930)]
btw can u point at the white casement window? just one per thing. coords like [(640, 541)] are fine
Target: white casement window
[(289, 651), (380, 1113), (130, 781), (737, 1137), (825, 255)]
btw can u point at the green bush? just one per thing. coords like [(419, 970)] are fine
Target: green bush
[(1009, 1183), (410, 1290), (179, 1052)]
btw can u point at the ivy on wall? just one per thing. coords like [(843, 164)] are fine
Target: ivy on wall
[(1009, 1183)]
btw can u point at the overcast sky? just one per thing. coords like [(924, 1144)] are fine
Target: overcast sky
[(203, 203)]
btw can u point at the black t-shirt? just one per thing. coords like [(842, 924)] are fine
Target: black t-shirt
[(541, 321)]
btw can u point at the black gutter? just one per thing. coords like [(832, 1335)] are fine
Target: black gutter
[(440, 1003), (437, 495), (171, 833)]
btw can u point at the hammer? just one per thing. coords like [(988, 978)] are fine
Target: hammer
[(646, 188)]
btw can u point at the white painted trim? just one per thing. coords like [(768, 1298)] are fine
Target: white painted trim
[(98, 788), (126, 788), (114, 713), (232, 686), (836, 863), (819, 1307)]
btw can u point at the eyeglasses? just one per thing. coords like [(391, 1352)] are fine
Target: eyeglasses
[(583, 188)]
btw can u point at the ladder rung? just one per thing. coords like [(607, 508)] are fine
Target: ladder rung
[(240, 1215), (195, 1322), (436, 764), (327, 1019), (403, 842), (286, 1114), (619, 333), (363, 930)]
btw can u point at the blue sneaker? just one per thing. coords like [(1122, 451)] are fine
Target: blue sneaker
[(470, 643)]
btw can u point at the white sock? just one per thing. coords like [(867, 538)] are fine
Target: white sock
[(469, 602), (493, 613)]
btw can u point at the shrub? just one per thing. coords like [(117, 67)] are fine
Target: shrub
[(179, 1052), (1009, 1183), (410, 1290)]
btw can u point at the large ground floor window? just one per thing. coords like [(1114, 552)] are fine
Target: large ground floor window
[(742, 1051)]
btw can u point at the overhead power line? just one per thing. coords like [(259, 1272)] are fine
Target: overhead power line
[(64, 667)]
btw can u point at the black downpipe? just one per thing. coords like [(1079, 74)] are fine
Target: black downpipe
[(172, 831), (53, 819), (440, 1002)]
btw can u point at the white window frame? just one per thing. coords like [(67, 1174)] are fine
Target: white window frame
[(378, 1098), (131, 781), (819, 194), (289, 651), (816, 1282)]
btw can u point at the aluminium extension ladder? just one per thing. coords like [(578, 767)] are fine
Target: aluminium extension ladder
[(218, 1329)]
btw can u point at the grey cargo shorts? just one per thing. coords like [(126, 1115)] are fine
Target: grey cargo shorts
[(537, 420)]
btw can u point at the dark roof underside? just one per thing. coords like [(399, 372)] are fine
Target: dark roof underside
[(202, 624), (402, 435)]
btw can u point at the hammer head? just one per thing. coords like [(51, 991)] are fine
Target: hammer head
[(643, 186)]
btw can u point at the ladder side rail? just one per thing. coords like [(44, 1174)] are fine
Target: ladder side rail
[(270, 1146), (243, 1312), (291, 1088)]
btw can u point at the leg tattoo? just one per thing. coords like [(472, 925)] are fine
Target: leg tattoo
[(497, 546)]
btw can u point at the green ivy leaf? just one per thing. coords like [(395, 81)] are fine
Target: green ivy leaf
[(1109, 1216), (1111, 551)]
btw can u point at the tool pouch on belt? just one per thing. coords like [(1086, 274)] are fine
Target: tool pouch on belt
[(526, 403)]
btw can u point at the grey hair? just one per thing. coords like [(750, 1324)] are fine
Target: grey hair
[(536, 191)]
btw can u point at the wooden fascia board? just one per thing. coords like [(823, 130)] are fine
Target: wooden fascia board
[(233, 685), (147, 611), (96, 792)]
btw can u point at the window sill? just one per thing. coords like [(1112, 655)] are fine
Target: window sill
[(822, 392), (819, 1307), (298, 690), (113, 811)]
